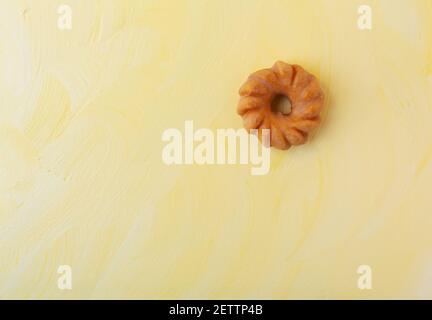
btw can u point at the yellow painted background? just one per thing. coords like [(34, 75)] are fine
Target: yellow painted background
[(82, 182)]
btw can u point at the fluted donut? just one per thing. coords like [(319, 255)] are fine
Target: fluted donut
[(299, 86)]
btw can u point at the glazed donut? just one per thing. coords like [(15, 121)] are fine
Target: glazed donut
[(264, 86)]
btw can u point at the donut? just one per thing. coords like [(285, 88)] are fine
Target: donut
[(263, 87)]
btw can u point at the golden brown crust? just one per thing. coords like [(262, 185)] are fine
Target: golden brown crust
[(301, 88)]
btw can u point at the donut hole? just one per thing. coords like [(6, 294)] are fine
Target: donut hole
[(281, 104)]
